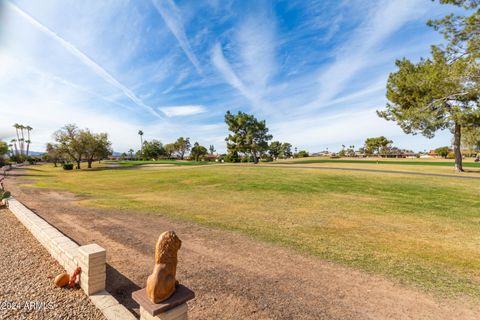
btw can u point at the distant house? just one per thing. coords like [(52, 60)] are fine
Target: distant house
[(321, 154), (433, 154), (114, 157), (210, 157), (399, 154)]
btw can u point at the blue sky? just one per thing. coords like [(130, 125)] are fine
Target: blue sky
[(314, 70)]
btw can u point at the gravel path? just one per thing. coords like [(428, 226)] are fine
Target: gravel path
[(26, 279)]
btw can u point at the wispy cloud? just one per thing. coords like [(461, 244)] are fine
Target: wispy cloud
[(256, 43), (219, 61), (84, 59), (171, 15), (180, 111), (253, 60), (385, 19)]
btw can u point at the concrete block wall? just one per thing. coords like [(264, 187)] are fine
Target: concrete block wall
[(91, 258)]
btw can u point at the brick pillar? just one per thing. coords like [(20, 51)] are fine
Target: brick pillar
[(92, 260), (178, 313)]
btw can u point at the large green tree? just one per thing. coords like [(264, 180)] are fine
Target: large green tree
[(275, 149), (286, 150), (182, 146), (169, 150), (248, 135), (443, 151), (198, 151), (443, 91), (96, 145), (53, 153), (3, 148), (69, 143), (76, 145), (377, 145), (153, 149)]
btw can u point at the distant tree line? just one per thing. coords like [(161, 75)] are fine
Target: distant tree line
[(247, 142)]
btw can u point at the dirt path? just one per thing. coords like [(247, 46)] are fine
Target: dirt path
[(235, 277)]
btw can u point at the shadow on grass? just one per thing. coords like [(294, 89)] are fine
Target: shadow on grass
[(121, 288), (29, 169), (472, 171), (105, 169)]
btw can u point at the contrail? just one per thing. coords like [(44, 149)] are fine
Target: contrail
[(170, 14), (84, 59)]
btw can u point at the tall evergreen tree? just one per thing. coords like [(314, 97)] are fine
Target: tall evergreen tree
[(443, 91)]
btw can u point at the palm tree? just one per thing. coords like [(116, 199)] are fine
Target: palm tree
[(140, 132), (131, 153), (14, 141), (22, 141), (28, 145), (17, 126), (11, 149), (28, 135)]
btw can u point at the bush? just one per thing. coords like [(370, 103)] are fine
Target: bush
[(4, 194), (232, 157), (302, 154), (68, 166), (266, 158), (451, 155)]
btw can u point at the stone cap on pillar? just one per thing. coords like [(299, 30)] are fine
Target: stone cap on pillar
[(181, 295)]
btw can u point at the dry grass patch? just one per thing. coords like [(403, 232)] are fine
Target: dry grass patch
[(420, 230)]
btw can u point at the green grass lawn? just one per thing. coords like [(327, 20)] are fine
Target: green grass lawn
[(467, 164), (423, 231), (131, 163)]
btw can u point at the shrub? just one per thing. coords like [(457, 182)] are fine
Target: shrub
[(68, 166), (451, 155), (302, 154), (266, 158), (4, 194), (232, 157)]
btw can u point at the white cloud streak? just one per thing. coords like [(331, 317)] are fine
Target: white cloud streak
[(256, 41), (356, 53), (180, 111), (171, 15), (219, 61), (101, 72), (254, 45)]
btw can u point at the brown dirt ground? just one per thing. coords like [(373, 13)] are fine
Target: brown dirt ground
[(234, 276)]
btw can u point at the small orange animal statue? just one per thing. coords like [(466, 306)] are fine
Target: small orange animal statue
[(161, 283)]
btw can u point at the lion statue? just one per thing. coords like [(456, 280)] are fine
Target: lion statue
[(161, 283)]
